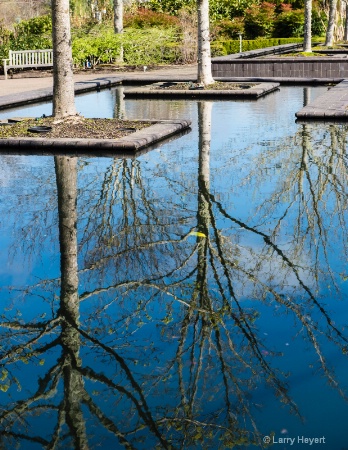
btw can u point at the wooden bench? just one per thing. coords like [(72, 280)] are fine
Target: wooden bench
[(23, 59)]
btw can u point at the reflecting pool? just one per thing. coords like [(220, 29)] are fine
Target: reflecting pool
[(191, 297)]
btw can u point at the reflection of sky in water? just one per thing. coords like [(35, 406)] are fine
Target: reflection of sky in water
[(275, 209)]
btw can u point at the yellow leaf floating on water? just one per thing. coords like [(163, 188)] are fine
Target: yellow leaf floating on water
[(197, 233), (4, 374)]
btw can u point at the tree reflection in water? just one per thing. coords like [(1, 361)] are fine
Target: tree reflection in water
[(159, 347)]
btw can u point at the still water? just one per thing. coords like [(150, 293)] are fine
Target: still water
[(191, 297)]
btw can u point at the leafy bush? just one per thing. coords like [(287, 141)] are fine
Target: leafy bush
[(289, 24), (219, 9), (319, 20), (32, 34), (144, 18), (140, 47), (153, 46), (96, 49), (258, 21), (5, 37), (170, 6), (227, 29)]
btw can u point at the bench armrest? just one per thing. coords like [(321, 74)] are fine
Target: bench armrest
[(5, 67)]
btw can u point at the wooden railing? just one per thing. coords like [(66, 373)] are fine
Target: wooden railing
[(21, 59)]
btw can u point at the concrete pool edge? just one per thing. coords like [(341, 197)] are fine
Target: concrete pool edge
[(80, 87), (332, 105), (46, 94), (160, 130)]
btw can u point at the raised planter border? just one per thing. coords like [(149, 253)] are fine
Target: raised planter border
[(256, 65), (254, 92), (327, 69), (160, 130)]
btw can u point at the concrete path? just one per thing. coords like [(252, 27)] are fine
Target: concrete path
[(331, 105), (17, 91)]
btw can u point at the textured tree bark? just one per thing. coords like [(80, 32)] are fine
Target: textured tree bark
[(307, 43), (63, 81), (118, 16), (331, 24), (204, 75), (118, 23)]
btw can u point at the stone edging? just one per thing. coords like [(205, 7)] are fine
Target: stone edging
[(278, 68), (329, 106), (141, 139), (254, 92)]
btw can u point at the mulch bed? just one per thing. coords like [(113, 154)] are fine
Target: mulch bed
[(73, 127), (217, 86)]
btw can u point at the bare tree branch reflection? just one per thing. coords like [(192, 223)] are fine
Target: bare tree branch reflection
[(157, 339)]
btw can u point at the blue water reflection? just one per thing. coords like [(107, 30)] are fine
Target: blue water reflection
[(201, 300)]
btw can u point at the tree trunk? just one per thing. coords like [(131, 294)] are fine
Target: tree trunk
[(345, 37), (331, 24), (204, 56), (118, 16), (118, 23), (307, 44), (63, 81)]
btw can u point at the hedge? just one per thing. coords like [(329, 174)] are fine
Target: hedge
[(228, 47)]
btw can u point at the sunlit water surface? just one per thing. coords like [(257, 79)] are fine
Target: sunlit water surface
[(212, 282)]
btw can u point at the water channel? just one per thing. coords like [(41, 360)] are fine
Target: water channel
[(207, 308)]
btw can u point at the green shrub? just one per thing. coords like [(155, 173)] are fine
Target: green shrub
[(218, 9), (154, 46), (140, 47), (144, 18), (96, 49), (319, 20), (258, 20), (170, 6), (227, 9), (5, 37), (228, 29), (289, 24), (35, 33)]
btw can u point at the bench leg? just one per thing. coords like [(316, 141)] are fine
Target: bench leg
[(5, 70)]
